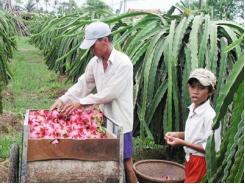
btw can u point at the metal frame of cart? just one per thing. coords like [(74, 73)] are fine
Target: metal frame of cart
[(90, 160)]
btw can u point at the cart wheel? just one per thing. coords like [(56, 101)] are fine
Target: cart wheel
[(13, 173)]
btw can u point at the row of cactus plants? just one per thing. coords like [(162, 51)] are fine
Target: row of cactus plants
[(228, 164), (164, 48), (7, 46), (159, 47)]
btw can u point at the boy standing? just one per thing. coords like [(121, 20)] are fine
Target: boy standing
[(201, 85)]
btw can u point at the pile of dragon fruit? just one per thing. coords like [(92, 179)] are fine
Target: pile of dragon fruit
[(81, 124)]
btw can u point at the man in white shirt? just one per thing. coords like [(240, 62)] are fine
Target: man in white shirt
[(111, 73)]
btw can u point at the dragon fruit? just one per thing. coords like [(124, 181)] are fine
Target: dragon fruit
[(81, 124)]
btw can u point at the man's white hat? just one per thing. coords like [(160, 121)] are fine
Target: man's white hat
[(204, 76), (93, 32)]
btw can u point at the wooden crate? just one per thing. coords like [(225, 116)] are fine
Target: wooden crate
[(89, 160)]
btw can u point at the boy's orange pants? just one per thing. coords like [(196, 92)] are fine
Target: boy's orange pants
[(195, 169)]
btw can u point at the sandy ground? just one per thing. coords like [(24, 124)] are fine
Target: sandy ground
[(4, 171)]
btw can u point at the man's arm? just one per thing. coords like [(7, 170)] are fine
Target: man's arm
[(113, 90), (82, 88)]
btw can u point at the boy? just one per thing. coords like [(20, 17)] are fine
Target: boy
[(201, 85)]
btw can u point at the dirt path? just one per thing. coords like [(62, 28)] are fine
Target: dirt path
[(3, 171)]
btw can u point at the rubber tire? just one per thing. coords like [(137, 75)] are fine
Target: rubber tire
[(13, 173)]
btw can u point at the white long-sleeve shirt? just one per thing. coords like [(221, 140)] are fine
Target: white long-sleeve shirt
[(114, 88), (198, 128)]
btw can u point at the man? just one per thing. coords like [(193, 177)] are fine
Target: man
[(111, 73)]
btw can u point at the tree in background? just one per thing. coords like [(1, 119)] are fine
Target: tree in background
[(56, 4), (218, 9), (29, 6), (1, 4), (66, 7), (21, 28), (89, 8), (227, 9), (63, 7), (37, 2), (97, 4), (72, 4), (46, 4), (100, 7)]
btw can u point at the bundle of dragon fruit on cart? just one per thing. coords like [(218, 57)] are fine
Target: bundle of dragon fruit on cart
[(80, 124)]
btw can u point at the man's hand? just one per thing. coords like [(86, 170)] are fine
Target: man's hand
[(67, 109), (58, 104), (174, 141)]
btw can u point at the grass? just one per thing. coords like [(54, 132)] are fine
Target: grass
[(5, 144), (32, 86)]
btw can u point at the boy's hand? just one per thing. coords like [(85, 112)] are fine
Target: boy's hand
[(172, 134), (58, 104), (173, 141), (169, 134)]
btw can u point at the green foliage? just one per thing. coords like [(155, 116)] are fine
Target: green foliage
[(152, 51), (226, 166), (145, 143), (7, 45), (226, 9), (33, 85), (5, 143), (235, 43), (229, 89), (101, 8), (1, 4), (29, 6), (218, 9), (163, 49), (210, 158)]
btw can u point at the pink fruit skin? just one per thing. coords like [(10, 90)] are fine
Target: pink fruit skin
[(81, 124)]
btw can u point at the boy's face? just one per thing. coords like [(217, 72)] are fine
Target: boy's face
[(198, 93)]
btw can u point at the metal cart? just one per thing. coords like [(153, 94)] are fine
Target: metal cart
[(89, 160)]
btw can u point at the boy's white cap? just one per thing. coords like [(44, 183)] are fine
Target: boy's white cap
[(204, 76), (94, 31)]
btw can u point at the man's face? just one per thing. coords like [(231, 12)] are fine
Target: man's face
[(100, 47)]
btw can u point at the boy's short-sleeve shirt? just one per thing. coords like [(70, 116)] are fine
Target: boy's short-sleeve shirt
[(198, 127)]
